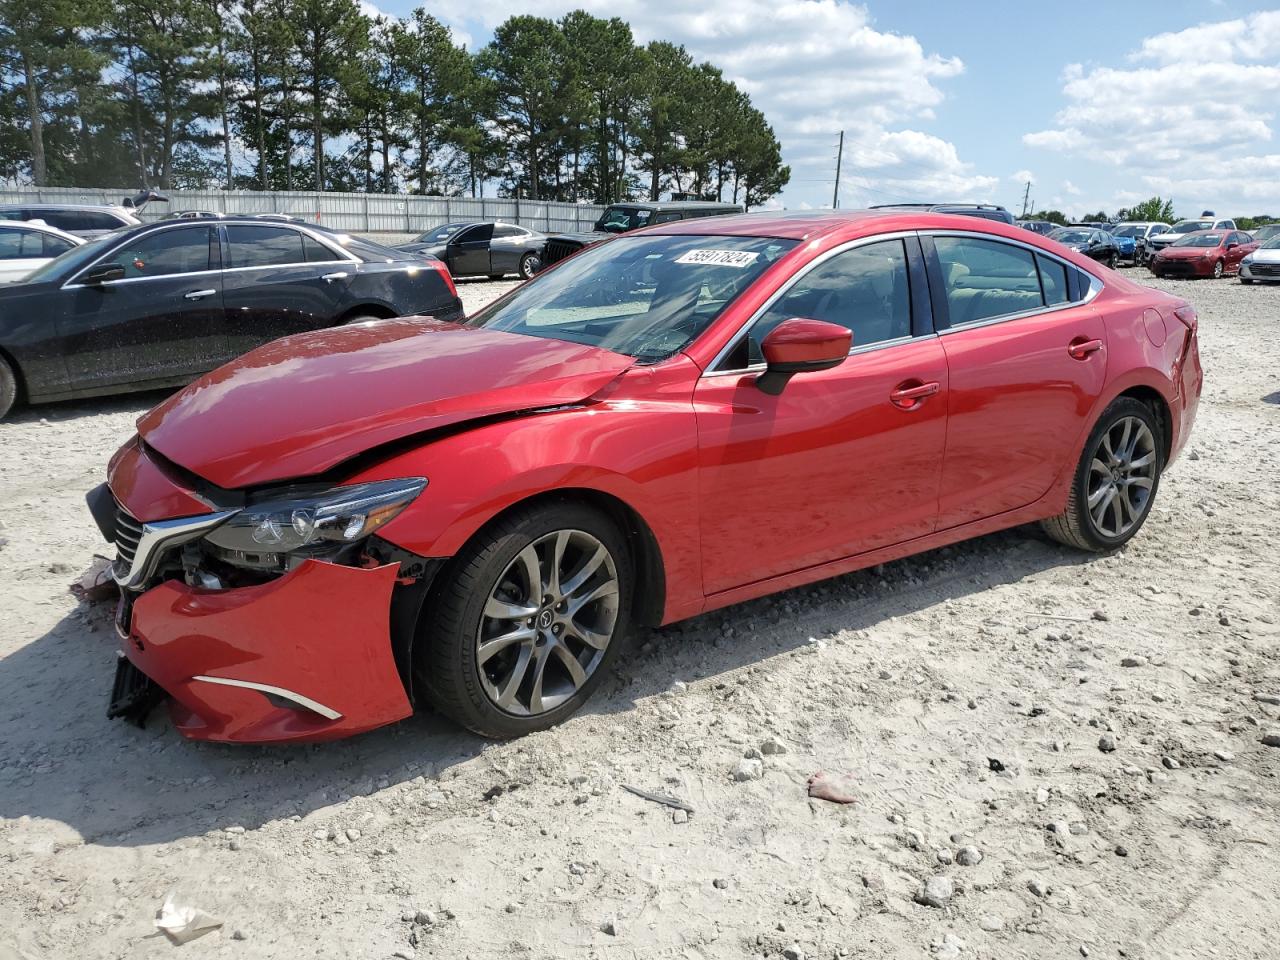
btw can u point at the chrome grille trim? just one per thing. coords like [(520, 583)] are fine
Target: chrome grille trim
[(136, 561)]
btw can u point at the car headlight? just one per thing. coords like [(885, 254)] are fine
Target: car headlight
[(1248, 258), (312, 523)]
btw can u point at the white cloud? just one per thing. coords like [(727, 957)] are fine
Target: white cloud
[(1191, 116), (1071, 188), (1023, 176), (814, 67)]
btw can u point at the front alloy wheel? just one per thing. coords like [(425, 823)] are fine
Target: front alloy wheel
[(547, 623), (526, 620), (1115, 480)]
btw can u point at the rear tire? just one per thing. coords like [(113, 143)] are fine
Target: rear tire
[(8, 388), (528, 266), (1217, 270), (548, 645), (1113, 261), (1115, 481)]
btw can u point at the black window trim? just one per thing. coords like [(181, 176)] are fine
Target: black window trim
[(1075, 275), (731, 345)]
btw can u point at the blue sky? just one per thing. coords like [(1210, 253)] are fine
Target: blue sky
[(1098, 105)]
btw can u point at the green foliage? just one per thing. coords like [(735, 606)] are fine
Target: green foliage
[(1154, 210), (1053, 216), (298, 94)]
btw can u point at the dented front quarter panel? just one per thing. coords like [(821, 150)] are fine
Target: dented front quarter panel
[(321, 631)]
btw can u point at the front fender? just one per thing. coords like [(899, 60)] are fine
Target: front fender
[(643, 454)]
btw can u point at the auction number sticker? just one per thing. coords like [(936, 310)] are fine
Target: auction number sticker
[(719, 258)]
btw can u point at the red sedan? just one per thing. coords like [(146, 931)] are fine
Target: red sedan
[(344, 524), (1205, 253)]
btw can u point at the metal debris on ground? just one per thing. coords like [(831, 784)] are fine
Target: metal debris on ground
[(663, 798)]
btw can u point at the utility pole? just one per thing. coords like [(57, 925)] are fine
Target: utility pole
[(835, 194), (1026, 195)]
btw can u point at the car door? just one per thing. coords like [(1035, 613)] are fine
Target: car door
[(1244, 245), (468, 252), (162, 320), (281, 280), (1026, 357), (841, 461), (506, 247)]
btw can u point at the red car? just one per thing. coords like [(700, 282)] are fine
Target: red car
[(344, 524), (1205, 253)]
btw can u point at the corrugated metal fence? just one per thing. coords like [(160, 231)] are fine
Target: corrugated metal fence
[(382, 214)]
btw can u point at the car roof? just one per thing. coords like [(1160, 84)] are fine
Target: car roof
[(810, 224), (112, 207), (39, 228), (660, 205)]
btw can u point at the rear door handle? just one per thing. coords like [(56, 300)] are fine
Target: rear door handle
[(198, 294), (912, 393), (330, 277), (1080, 348)]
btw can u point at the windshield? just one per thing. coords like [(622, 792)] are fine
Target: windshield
[(440, 234), (647, 297), (1127, 232), (72, 260), (1200, 240), (1267, 232), (622, 219), (1270, 243), (1187, 226), (1071, 236)]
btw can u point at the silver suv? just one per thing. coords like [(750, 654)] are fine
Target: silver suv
[(84, 220)]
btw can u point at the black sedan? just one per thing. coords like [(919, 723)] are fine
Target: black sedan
[(157, 305), (1093, 243), (473, 248)]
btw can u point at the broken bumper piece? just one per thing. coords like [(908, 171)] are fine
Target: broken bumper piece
[(304, 657)]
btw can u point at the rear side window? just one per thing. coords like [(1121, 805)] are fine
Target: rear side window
[(164, 253), (317, 252), (986, 278), (264, 246), (79, 219), (507, 232), (864, 289), (53, 246), (1053, 280), (20, 244)]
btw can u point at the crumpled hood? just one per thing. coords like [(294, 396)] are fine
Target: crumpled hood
[(303, 404)]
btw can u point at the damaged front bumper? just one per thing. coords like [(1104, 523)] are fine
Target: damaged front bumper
[(320, 651)]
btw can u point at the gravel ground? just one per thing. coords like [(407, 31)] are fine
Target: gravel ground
[(1053, 755)]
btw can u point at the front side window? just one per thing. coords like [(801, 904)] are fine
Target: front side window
[(986, 278), (481, 233), (264, 246), (647, 297), (20, 244), (623, 219), (865, 289), (164, 253)]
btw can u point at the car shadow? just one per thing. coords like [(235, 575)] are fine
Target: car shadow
[(138, 402), (117, 785)]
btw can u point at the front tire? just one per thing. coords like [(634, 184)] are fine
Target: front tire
[(528, 619), (8, 388), (1115, 481)]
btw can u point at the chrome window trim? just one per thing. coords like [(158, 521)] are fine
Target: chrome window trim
[(732, 342), (344, 255)]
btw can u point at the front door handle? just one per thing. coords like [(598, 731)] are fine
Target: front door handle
[(330, 277), (198, 294), (912, 393), (1080, 348)]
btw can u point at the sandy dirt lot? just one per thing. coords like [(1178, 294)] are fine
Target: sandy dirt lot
[(966, 693)]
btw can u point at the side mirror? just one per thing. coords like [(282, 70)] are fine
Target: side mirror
[(1232, 244), (800, 345), (103, 273)]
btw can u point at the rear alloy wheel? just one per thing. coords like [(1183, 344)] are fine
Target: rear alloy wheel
[(529, 265), (1113, 261), (1115, 481), (8, 388), (528, 620), (1217, 270)]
